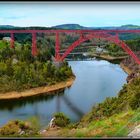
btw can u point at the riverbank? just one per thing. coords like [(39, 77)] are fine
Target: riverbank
[(36, 91), (125, 68), (108, 57)]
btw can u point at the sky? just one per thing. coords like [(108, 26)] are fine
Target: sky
[(90, 14)]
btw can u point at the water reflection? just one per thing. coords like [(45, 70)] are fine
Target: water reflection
[(18, 103), (72, 106)]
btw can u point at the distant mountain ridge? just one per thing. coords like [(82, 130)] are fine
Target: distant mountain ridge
[(6, 26), (77, 26), (74, 27), (69, 26)]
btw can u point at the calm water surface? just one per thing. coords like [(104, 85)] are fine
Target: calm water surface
[(95, 80)]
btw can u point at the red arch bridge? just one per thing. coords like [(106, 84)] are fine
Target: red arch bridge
[(84, 35)]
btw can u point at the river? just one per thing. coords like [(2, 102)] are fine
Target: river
[(95, 80)]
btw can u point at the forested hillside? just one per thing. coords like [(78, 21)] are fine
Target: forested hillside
[(20, 70)]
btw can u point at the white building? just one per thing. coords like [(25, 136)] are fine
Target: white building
[(6, 39)]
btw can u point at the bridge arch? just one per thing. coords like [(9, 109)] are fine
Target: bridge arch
[(111, 38)]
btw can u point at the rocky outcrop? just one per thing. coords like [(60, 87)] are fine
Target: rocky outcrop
[(132, 76), (51, 130), (132, 66), (130, 62), (135, 133)]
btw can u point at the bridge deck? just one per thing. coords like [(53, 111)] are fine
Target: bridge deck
[(68, 31)]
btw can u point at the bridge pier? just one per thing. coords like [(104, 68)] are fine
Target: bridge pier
[(57, 63), (34, 47), (12, 40), (57, 47)]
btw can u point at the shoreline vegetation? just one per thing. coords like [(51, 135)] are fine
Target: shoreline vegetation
[(39, 90)]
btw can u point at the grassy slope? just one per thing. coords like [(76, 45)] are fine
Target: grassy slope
[(118, 125)]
